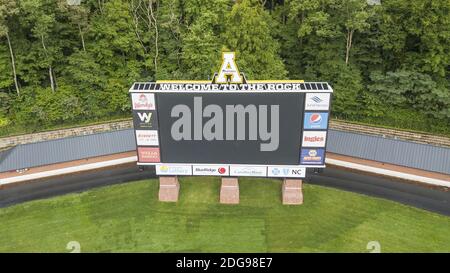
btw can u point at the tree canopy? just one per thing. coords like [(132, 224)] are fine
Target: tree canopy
[(65, 64)]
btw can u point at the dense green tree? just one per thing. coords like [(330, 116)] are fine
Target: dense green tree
[(39, 14), (201, 40), (248, 33), (46, 107), (417, 34), (387, 63), (171, 28), (8, 8), (411, 89)]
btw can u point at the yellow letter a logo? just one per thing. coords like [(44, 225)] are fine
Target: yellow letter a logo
[(228, 68)]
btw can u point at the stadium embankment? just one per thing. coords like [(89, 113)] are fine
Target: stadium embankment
[(417, 137)]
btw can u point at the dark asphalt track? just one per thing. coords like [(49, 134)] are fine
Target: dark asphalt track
[(409, 194)]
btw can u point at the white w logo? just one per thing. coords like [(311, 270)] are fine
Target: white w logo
[(145, 117)]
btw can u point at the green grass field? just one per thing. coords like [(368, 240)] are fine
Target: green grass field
[(129, 218)]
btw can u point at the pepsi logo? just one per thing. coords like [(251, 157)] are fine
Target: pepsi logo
[(315, 118)]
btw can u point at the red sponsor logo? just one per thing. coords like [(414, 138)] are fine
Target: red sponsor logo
[(314, 139), (222, 170), (149, 155), (143, 101)]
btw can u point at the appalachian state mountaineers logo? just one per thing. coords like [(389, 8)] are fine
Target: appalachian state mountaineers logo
[(229, 72)]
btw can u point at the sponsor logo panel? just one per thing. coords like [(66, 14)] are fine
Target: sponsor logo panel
[(242, 170), (285, 171), (314, 138), (148, 155), (221, 170), (147, 138), (317, 101), (145, 120), (312, 156), (143, 101), (315, 121), (172, 169)]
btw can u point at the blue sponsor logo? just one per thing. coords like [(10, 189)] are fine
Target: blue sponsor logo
[(312, 156), (316, 99), (316, 121), (275, 171)]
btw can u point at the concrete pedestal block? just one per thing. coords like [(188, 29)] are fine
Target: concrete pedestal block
[(292, 192), (229, 191), (169, 188)]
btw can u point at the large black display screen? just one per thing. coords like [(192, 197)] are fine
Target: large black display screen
[(231, 128)]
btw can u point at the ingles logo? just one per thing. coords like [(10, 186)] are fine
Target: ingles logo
[(143, 101), (221, 123), (314, 139)]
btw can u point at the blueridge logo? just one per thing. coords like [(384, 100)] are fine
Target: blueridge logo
[(214, 128), (210, 170)]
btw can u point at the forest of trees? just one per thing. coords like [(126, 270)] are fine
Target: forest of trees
[(62, 64)]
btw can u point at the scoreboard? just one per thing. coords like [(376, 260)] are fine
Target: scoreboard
[(256, 128)]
